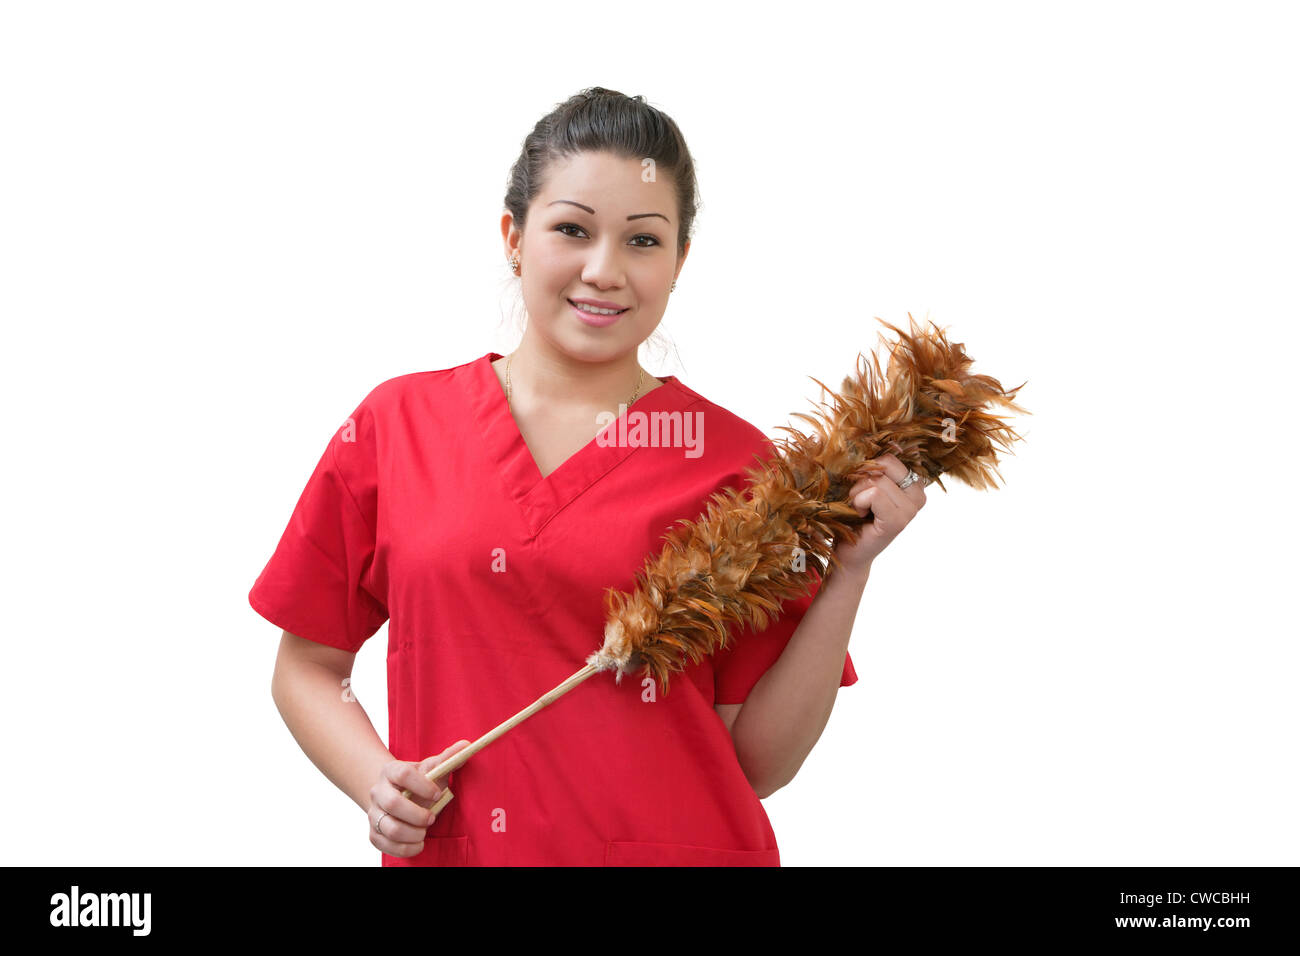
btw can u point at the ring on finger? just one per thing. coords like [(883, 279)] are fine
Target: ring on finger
[(910, 479)]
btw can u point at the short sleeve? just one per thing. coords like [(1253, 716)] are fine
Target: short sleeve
[(319, 583), (749, 654)]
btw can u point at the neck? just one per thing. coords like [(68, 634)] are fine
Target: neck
[(559, 380)]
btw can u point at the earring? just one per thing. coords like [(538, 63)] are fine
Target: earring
[(514, 264), (673, 286)]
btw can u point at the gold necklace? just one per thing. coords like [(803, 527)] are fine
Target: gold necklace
[(640, 377)]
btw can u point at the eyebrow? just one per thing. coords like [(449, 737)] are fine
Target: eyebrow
[(640, 215)]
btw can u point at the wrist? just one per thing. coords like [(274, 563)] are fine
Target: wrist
[(856, 574)]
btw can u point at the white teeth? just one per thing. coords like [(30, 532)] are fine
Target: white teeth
[(595, 311)]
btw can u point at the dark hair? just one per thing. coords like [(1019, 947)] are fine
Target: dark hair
[(605, 120)]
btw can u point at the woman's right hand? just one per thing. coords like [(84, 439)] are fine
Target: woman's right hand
[(401, 830)]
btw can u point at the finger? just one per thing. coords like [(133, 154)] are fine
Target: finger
[(413, 810), (408, 806), (894, 468), (856, 493), (862, 484), (916, 491), (395, 849), (445, 799), (859, 486), (392, 847), (878, 508), (905, 498), (897, 472), (893, 505), (392, 827), (404, 775), (447, 754)]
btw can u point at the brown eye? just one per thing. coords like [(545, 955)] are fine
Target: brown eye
[(570, 225)]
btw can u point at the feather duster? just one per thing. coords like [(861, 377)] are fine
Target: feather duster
[(734, 564), (737, 563)]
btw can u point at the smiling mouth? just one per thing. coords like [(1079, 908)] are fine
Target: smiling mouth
[(592, 310)]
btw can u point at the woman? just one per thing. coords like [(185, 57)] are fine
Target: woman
[(478, 511)]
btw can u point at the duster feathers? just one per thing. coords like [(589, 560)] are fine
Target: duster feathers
[(748, 552)]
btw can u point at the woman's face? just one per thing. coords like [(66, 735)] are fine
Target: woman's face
[(597, 231)]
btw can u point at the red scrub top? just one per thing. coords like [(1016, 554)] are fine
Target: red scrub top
[(427, 510)]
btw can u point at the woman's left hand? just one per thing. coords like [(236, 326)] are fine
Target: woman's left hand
[(892, 508)]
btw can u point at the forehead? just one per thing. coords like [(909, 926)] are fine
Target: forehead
[(609, 184)]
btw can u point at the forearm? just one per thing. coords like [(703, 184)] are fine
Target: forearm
[(334, 732), (787, 710)]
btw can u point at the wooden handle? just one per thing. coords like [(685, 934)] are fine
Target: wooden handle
[(442, 801), (456, 760)]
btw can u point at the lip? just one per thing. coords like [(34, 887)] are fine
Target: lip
[(599, 303), (597, 321)]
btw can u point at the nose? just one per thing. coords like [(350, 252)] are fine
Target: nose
[(604, 267)]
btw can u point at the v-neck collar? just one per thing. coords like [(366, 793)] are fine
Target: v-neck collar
[(541, 498)]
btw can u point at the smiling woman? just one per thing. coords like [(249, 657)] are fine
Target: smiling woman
[(484, 509), (605, 261)]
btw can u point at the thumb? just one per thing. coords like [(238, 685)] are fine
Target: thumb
[(455, 748), (430, 762)]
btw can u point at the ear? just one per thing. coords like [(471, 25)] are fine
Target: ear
[(510, 234)]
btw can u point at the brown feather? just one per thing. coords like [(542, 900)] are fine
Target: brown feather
[(733, 565)]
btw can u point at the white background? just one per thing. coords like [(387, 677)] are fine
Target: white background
[(222, 224)]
